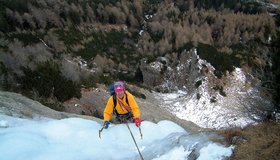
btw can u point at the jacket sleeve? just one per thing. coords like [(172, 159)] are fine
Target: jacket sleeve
[(133, 105), (108, 109)]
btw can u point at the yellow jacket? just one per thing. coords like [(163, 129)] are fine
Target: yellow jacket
[(121, 110)]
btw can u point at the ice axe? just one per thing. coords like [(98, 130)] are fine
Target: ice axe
[(100, 131)]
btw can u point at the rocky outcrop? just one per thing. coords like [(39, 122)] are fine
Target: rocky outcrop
[(153, 74), (237, 93), (16, 105)]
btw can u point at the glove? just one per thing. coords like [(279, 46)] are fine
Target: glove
[(137, 122), (106, 124)]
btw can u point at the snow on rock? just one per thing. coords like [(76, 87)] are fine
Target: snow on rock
[(157, 66), (210, 111)]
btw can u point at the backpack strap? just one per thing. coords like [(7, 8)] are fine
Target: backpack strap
[(115, 104), (114, 100)]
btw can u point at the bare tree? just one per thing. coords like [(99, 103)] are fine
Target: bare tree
[(90, 13), (102, 14), (19, 18), (70, 70), (29, 19), (124, 5), (54, 43), (138, 4), (146, 45), (183, 34), (163, 46), (53, 18), (133, 21), (117, 13), (39, 15), (206, 34), (42, 3)]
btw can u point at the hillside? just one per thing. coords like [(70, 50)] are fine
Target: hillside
[(85, 42)]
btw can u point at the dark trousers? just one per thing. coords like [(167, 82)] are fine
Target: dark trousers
[(124, 118)]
